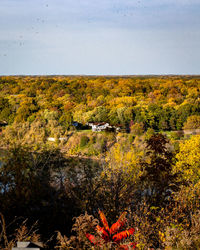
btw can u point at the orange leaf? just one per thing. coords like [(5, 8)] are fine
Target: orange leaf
[(120, 222), (103, 232), (122, 235), (103, 220)]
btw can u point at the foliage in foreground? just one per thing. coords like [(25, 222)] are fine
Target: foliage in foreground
[(112, 234), (22, 233), (102, 238), (162, 216)]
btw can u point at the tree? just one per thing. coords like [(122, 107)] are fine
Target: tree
[(158, 180), (100, 114), (182, 113), (66, 120), (137, 129), (193, 122), (31, 187), (6, 112), (118, 180), (188, 162)]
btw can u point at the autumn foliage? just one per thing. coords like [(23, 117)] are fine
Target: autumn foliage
[(149, 164), (112, 234)]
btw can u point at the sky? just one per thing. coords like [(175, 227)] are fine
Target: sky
[(99, 37)]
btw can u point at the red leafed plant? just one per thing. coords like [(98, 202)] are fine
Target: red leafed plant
[(112, 234)]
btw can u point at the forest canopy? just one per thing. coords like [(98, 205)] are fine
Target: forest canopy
[(160, 103)]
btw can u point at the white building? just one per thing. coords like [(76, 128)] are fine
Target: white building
[(99, 126)]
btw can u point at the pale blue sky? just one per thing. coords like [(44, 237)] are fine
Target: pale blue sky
[(99, 37)]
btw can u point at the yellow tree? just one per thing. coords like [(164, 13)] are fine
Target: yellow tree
[(119, 177), (188, 160), (193, 122)]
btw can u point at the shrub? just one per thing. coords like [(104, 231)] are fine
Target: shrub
[(111, 235), (84, 141), (90, 235)]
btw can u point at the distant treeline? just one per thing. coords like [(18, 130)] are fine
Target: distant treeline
[(157, 102)]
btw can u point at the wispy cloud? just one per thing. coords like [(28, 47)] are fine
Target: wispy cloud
[(92, 36), (78, 14)]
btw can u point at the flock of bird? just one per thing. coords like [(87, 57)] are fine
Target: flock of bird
[(21, 42)]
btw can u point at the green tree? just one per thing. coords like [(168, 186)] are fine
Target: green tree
[(66, 120)]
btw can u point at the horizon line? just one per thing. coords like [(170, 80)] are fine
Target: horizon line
[(100, 75)]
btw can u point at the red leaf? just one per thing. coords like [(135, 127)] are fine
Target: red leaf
[(122, 235), (133, 244), (91, 238), (103, 232), (104, 221), (120, 222)]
